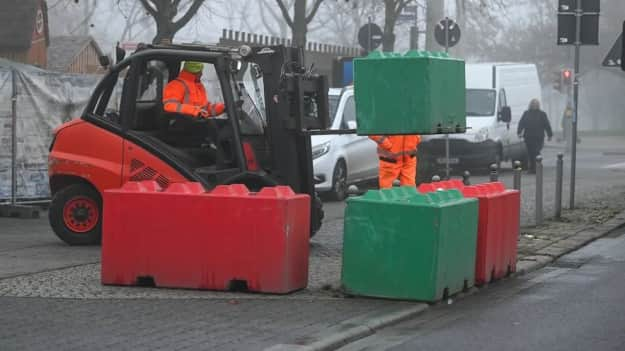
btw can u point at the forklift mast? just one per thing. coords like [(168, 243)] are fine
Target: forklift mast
[(296, 102)]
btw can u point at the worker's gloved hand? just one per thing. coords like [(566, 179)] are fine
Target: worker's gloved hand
[(203, 114), (219, 108)]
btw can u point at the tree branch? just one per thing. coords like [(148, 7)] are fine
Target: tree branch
[(149, 7), (285, 13), (187, 16), (314, 10)]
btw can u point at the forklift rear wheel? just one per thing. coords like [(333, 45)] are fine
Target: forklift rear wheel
[(339, 182), (76, 215)]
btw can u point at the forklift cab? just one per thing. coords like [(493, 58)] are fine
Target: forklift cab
[(210, 150), (273, 106)]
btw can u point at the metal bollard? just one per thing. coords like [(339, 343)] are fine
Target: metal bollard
[(436, 178), (517, 175), (559, 173), (493, 173), (465, 178), (539, 190)]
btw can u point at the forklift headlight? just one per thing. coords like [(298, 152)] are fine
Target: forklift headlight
[(320, 150)]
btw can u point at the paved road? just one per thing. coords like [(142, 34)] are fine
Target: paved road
[(51, 298), (576, 304), (600, 165)]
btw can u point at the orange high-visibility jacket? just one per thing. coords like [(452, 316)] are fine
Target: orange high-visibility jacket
[(394, 148), (186, 95)]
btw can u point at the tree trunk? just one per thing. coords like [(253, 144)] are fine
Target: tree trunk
[(435, 13), (299, 24), (388, 39), (165, 30)]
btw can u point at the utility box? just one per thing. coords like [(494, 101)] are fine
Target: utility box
[(401, 244), (418, 92)]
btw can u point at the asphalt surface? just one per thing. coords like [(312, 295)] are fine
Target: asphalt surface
[(575, 304), (600, 167), (51, 297)]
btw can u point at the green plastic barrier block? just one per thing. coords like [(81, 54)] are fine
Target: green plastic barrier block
[(418, 92), (402, 244)]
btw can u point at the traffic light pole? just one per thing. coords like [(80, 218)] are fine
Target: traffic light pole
[(578, 44), (447, 170)]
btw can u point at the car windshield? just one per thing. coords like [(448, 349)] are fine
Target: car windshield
[(480, 102), (333, 102)]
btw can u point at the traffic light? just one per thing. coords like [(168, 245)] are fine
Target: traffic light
[(567, 80), (566, 76)]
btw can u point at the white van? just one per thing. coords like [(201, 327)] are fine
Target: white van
[(497, 96)]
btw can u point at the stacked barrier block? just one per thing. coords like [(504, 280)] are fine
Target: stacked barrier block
[(498, 226), (414, 93), (227, 239), (404, 245)]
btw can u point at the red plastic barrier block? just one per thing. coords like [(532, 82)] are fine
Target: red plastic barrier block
[(226, 239), (498, 226)]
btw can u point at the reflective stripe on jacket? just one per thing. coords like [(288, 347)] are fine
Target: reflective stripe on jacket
[(393, 147), (186, 95)]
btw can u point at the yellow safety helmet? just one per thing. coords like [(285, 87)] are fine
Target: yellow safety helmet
[(193, 67)]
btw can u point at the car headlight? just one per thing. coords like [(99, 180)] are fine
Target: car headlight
[(320, 150), (482, 134)]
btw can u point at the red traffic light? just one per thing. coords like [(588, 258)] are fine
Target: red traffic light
[(566, 74)]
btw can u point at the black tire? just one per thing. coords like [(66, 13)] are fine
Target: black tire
[(339, 182), (317, 215), (76, 215)]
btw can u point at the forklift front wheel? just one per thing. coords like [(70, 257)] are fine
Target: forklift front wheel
[(76, 215)]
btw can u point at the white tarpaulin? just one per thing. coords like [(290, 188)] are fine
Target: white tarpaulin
[(44, 100)]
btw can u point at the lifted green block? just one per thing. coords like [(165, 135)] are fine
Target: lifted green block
[(418, 92), (401, 244)]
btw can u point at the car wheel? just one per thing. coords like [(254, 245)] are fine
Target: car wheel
[(339, 182), (76, 215)]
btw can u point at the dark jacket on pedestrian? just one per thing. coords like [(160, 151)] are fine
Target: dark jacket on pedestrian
[(534, 124)]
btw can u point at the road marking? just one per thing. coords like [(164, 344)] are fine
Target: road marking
[(615, 165)]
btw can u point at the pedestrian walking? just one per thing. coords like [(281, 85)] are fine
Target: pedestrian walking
[(398, 159), (533, 126)]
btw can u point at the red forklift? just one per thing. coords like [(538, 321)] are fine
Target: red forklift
[(273, 106)]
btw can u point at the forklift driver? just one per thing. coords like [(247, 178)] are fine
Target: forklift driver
[(186, 94)]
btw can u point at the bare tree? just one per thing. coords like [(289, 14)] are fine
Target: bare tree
[(165, 14), (301, 18), (270, 16), (135, 17), (392, 10), (73, 16), (339, 21), (435, 12)]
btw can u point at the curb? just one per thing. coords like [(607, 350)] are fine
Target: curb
[(525, 265), (354, 332), (553, 252)]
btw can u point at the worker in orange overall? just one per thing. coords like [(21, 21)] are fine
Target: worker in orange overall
[(398, 159), (186, 94)]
